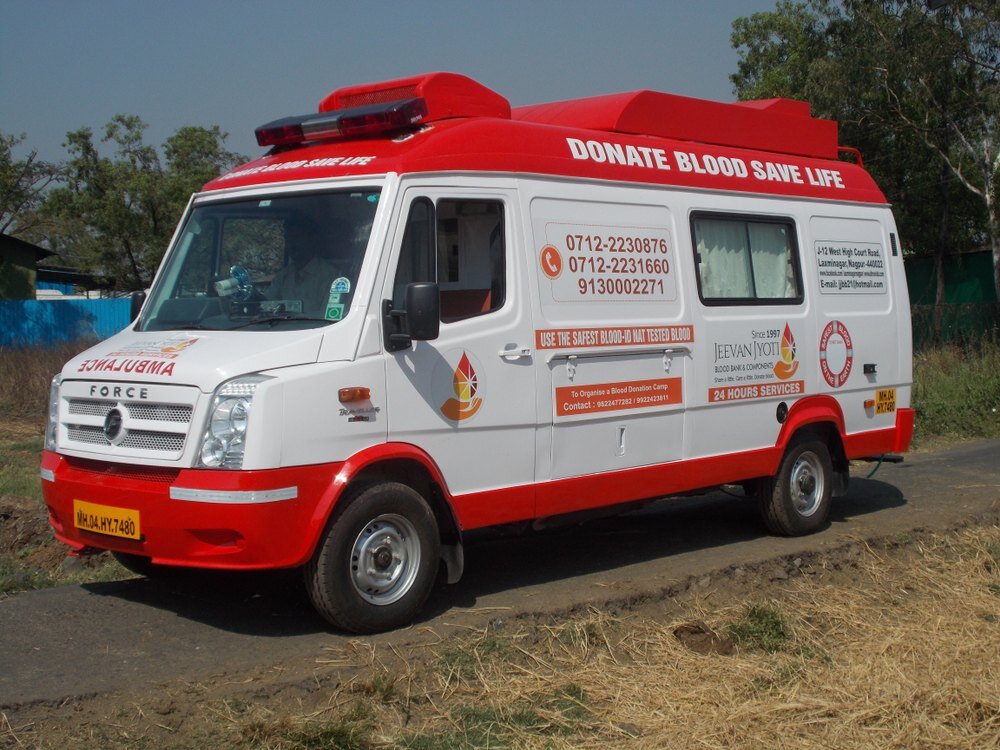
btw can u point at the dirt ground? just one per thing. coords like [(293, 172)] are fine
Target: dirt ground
[(604, 635), (576, 663)]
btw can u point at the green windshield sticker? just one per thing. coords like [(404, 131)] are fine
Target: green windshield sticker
[(334, 312)]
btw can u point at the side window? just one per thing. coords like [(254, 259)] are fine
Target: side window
[(746, 260), (416, 256), (461, 245), (196, 274)]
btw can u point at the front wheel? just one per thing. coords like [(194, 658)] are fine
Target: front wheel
[(378, 561), (797, 500)]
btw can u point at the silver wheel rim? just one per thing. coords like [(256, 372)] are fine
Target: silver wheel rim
[(806, 484), (385, 559)]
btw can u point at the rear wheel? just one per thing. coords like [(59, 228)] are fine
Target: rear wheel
[(797, 500), (377, 562)]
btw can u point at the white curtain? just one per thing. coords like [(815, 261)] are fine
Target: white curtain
[(772, 261), (724, 263)]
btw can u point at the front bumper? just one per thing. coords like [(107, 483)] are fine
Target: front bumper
[(202, 518)]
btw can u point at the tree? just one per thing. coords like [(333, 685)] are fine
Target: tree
[(114, 216), (917, 92), (22, 187)]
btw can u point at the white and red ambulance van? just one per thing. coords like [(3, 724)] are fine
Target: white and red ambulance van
[(424, 312)]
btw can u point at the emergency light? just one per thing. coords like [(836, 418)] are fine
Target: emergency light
[(348, 123), (371, 109)]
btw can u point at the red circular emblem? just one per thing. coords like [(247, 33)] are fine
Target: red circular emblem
[(837, 333), (551, 261)]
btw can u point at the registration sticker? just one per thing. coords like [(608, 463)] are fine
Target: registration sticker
[(105, 519), (885, 400)]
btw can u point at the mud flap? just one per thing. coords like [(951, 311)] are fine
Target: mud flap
[(454, 560), (841, 478)]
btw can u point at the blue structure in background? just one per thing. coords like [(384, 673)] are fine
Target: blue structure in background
[(59, 286), (44, 322)]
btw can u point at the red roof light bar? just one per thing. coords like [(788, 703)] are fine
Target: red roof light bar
[(347, 123)]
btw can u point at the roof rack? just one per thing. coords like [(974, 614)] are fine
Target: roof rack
[(779, 125), (776, 125)]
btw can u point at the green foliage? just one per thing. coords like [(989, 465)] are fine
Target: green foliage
[(22, 186), (760, 627), (114, 215), (918, 92), (956, 392), (777, 51)]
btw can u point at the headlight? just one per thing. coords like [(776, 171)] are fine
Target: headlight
[(52, 428), (224, 441)]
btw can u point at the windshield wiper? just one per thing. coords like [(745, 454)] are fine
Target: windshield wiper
[(273, 320)]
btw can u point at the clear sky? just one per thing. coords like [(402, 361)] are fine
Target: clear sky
[(65, 64)]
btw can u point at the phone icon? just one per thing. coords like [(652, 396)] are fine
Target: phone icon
[(551, 262)]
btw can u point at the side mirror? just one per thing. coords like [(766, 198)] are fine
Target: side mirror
[(419, 321), (423, 310), (136, 301)]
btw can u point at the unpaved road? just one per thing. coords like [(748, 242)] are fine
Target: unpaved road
[(76, 641)]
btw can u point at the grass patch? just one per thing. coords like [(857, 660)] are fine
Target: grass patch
[(761, 628), (470, 659), (25, 375), (556, 717), (351, 732), (16, 578), (956, 392), (19, 458), (30, 556)]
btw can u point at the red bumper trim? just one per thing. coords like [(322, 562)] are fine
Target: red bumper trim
[(205, 518)]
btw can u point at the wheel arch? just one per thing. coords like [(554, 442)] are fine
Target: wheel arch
[(406, 464), (820, 416)]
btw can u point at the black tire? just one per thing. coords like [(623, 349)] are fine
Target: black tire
[(390, 527), (797, 500)]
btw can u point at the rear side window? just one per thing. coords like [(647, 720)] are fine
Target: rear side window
[(746, 260)]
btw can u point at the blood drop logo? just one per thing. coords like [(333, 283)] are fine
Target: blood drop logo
[(786, 365), (463, 402)]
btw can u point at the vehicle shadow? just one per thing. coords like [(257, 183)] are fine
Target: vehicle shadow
[(668, 527), (274, 604)]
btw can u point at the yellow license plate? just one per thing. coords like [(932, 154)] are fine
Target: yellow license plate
[(104, 519), (885, 400)]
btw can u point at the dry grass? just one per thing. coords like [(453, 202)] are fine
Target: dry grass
[(902, 653), (25, 375), (895, 648), (907, 657)]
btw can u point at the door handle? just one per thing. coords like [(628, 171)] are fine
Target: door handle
[(515, 352)]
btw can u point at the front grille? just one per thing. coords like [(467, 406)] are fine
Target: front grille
[(148, 427), (136, 409), (146, 440), (159, 412), (91, 408), (87, 434)]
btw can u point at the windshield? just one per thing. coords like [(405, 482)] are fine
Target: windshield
[(264, 263)]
